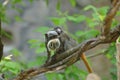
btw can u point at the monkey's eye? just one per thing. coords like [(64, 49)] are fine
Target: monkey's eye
[(52, 37)]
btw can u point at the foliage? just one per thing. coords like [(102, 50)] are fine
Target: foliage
[(8, 67), (12, 67)]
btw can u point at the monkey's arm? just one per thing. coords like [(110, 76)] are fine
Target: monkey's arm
[(83, 57), (48, 55)]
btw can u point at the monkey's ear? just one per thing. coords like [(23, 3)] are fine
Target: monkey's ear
[(58, 30), (46, 37)]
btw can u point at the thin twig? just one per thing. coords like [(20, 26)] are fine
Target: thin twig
[(97, 54)]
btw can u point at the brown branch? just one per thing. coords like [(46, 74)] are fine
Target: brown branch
[(89, 44), (114, 2), (71, 56), (110, 15)]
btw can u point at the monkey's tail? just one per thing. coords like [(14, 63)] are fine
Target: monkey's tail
[(83, 57)]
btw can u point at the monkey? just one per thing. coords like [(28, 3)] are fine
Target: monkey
[(58, 41)]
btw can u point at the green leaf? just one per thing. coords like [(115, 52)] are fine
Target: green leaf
[(58, 5), (8, 57), (13, 67), (38, 45), (90, 7), (4, 69), (73, 2), (42, 29), (91, 33), (51, 76), (32, 41), (103, 10), (6, 34), (16, 1), (40, 50), (93, 24), (79, 33), (93, 8), (61, 77), (80, 18), (77, 19), (58, 21), (111, 51), (71, 18), (37, 62), (87, 34), (118, 13), (15, 52), (73, 76), (2, 63)]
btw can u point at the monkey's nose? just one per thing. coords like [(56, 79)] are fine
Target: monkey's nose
[(52, 45)]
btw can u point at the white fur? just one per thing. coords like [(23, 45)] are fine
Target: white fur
[(54, 40)]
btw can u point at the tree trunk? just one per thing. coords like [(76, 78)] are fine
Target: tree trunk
[(1, 45)]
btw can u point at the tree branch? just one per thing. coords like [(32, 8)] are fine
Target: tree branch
[(69, 60), (97, 54), (110, 15)]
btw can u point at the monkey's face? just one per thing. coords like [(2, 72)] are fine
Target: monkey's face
[(53, 40)]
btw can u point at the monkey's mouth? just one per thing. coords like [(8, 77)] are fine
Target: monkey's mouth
[(53, 44)]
